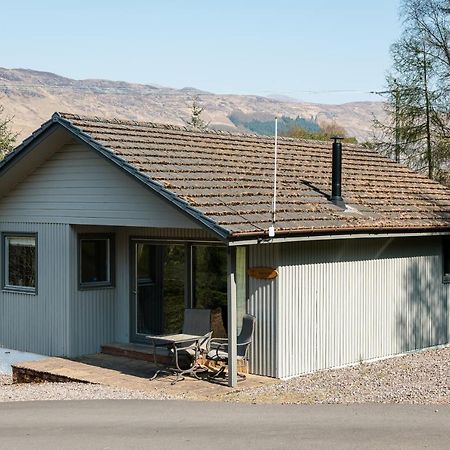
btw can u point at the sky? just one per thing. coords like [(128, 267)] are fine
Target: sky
[(324, 51)]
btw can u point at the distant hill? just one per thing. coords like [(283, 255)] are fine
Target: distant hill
[(32, 96), (254, 123)]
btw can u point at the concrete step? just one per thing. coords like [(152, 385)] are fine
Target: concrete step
[(52, 369), (136, 351)]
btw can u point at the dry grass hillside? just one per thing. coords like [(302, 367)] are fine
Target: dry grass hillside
[(32, 96)]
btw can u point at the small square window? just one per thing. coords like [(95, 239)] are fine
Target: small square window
[(96, 260), (446, 260), (20, 262)]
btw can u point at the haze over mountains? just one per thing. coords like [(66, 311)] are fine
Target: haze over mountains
[(32, 96)]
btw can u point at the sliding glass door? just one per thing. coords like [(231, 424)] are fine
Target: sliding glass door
[(169, 277)]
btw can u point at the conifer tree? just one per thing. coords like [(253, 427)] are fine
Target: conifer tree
[(196, 120), (416, 130), (7, 136)]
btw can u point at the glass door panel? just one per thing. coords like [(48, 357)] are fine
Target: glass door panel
[(174, 282), (159, 287), (209, 284), (149, 295)]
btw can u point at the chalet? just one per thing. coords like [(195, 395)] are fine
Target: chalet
[(110, 228)]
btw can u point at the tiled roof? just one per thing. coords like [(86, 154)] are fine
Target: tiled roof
[(229, 179)]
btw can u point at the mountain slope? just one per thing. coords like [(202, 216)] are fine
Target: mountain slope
[(32, 96)]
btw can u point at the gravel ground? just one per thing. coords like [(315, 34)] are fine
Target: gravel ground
[(68, 391), (418, 378)]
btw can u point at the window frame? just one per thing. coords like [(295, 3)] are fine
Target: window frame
[(5, 263), (110, 283), (445, 256)]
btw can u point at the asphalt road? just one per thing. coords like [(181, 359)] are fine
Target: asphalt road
[(138, 424)]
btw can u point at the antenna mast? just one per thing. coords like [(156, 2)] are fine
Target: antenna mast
[(274, 201)]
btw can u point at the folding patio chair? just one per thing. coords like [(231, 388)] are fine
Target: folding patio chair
[(219, 347), (196, 322)]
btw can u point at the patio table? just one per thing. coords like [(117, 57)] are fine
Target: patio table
[(171, 341)]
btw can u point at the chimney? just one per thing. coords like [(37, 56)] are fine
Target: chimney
[(336, 190)]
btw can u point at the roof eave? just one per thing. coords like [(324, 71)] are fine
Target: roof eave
[(338, 232), (15, 154)]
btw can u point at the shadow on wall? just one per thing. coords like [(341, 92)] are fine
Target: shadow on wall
[(423, 316)]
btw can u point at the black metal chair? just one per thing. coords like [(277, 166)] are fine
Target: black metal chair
[(219, 348)]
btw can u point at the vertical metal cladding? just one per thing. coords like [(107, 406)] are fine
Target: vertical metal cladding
[(38, 322), (263, 304), (333, 303), (339, 302), (346, 301), (91, 313)]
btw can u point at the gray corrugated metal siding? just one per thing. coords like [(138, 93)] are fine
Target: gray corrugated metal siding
[(340, 302), (333, 303), (61, 319), (263, 304), (38, 323)]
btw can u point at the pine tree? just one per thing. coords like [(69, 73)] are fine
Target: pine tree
[(7, 136), (416, 129), (196, 121)]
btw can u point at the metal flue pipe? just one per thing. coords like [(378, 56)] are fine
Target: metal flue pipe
[(336, 174)]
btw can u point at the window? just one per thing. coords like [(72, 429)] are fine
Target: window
[(19, 262), (446, 260), (96, 260)]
